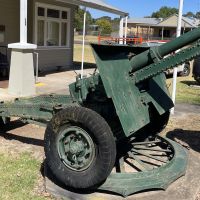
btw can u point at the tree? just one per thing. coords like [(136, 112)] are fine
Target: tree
[(164, 12), (197, 15), (78, 22), (189, 14), (105, 26), (105, 17)]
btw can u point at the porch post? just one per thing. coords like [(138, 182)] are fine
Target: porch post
[(148, 32), (83, 47), (21, 80), (121, 28), (178, 33), (126, 26), (23, 21), (162, 33)]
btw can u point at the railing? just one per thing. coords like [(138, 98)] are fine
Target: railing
[(138, 40), (156, 41)]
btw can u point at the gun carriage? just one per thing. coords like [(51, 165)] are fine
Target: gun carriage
[(111, 120)]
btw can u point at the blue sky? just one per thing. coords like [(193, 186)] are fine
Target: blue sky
[(141, 8)]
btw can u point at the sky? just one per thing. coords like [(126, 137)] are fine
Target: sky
[(141, 8)]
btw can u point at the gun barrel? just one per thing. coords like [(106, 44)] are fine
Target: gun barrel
[(146, 58)]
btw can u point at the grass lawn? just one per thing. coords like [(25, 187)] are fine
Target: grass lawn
[(185, 93), (89, 58), (19, 177), (88, 38)]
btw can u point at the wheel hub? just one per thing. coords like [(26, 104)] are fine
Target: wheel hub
[(75, 148)]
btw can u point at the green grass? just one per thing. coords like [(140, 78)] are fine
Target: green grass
[(88, 38), (185, 93), (18, 177), (89, 58)]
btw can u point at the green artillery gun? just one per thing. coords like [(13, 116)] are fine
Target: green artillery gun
[(109, 123)]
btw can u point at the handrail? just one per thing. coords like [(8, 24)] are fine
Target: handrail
[(138, 40)]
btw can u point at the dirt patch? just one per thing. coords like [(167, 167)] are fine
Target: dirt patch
[(18, 138), (185, 129)]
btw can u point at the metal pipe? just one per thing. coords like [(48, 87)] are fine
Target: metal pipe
[(178, 33), (83, 47), (121, 28), (23, 21), (145, 58), (37, 67), (125, 32)]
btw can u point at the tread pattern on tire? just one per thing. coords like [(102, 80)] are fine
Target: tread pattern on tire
[(102, 137)]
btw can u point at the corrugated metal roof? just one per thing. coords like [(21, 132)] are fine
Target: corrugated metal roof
[(192, 22), (150, 21), (186, 22), (97, 4)]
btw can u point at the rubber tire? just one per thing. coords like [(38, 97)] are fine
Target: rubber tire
[(104, 141), (187, 73)]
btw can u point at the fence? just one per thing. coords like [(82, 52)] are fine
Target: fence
[(135, 40)]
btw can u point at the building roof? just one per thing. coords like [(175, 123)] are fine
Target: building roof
[(96, 4), (149, 21), (193, 22), (171, 21)]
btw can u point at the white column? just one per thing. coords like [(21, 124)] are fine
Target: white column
[(83, 47), (121, 29), (21, 80), (148, 30), (178, 33), (23, 21), (126, 26), (162, 33)]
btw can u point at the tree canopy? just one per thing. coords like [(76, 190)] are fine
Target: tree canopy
[(105, 26), (78, 21), (164, 12), (189, 14)]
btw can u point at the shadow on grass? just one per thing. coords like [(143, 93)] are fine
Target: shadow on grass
[(190, 83), (4, 132), (187, 138)]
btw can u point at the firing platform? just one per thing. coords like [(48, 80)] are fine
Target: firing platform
[(185, 188)]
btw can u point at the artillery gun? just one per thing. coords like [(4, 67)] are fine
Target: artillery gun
[(107, 129)]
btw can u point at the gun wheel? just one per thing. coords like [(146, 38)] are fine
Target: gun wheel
[(147, 155), (80, 148)]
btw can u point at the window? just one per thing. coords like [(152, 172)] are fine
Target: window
[(52, 25)]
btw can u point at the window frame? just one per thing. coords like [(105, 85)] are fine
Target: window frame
[(50, 19)]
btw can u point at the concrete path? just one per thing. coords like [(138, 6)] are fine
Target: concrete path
[(183, 109), (56, 82)]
